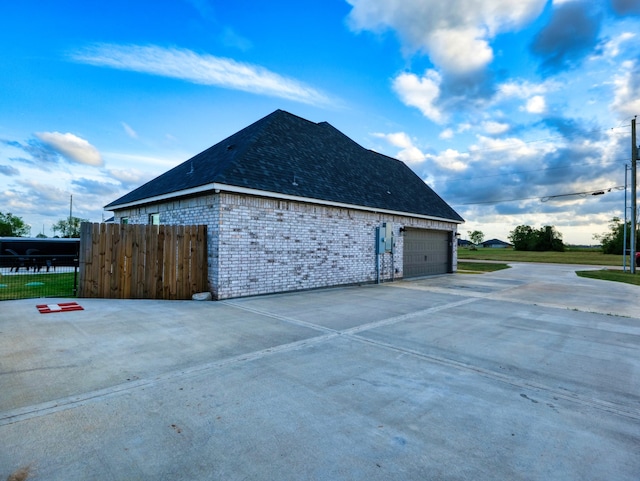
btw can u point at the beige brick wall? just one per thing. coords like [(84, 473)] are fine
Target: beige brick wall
[(260, 245)]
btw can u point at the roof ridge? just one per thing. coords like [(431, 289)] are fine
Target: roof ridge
[(286, 154)]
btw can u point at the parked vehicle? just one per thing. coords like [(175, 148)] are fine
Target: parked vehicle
[(38, 253)]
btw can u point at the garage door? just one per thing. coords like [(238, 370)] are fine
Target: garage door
[(426, 252)]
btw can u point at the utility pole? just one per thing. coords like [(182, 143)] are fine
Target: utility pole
[(634, 199), (626, 217), (70, 215)]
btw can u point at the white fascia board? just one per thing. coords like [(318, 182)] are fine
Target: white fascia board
[(216, 187), (164, 197)]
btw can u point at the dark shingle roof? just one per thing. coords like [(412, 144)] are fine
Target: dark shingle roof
[(285, 154), (495, 242)]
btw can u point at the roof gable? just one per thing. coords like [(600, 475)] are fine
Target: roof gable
[(285, 154), (495, 242)]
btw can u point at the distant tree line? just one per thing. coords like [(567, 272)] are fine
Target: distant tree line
[(612, 242), (526, 238), (13, 226), (69, 227)]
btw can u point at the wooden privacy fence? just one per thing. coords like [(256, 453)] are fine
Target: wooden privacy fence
[(131, 261)]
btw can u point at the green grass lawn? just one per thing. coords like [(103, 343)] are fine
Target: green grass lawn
[(612, 275), (571, 256), (26, 286), (481, 266), (590, 257)]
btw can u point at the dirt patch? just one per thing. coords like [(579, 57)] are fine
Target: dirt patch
[(20, 475)]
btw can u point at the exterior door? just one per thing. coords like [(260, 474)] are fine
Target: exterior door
[(426, 252)]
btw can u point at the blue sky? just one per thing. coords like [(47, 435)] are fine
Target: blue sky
[(502, 106)]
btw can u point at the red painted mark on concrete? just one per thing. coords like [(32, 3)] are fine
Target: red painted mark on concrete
[(61, 307)]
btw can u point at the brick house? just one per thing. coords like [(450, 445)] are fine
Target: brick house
[(291, 204), (496, 244)]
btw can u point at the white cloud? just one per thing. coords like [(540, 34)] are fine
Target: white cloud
[(446, 134), (420, 92), (200, 69), (130, 132), (494, 128), (536, 105), (231, 38), (626, 101), (71, 147), (451, 159), (454, 33), (47, 194), (409, 153), (532, 92), (459, 50), (130, 177), (511, 149), (152, 163), (525, 89), (398, 139), (612, 47), (449, 133)]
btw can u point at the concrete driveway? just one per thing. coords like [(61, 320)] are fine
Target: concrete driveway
[(524, 374)]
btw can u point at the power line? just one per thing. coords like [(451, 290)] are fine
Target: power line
[(583, 194), (547, 198)]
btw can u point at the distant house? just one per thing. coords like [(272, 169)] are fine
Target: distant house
[(291, 204), (496, 244)]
